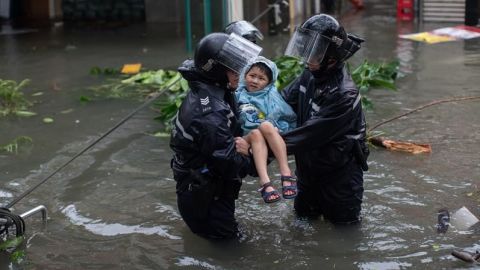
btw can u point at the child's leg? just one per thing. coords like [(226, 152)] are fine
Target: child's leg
[(276, 143), (279, 149), (260, 156)]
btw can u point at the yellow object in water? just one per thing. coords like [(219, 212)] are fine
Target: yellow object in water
[(131, 68), (428, 37)]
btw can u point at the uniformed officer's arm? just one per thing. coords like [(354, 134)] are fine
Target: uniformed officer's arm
[(290, 93), (218, 147), (329, 123)]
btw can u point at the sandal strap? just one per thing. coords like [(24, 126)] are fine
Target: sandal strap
[(288, 178), (266, 195), (264, 186)]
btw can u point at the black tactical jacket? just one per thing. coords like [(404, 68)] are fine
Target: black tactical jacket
[(330, 121), (204, 130)]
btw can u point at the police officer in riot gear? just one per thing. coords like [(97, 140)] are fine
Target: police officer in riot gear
[(244, 29), (206, 165), (329, 142)]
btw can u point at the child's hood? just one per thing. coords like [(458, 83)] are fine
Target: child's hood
[(260, 59)]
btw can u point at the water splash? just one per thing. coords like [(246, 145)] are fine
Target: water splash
[(96, 227), (189, 261)]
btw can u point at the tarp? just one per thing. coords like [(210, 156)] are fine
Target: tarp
[(445, 34)]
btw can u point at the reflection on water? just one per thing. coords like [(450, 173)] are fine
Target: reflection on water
[(97, 227), (188, 261), (115, 206)]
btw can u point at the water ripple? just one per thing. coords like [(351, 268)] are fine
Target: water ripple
[(5, 194), (189, 261), (94, 226)]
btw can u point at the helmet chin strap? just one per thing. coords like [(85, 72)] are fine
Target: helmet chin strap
[(325, 66)]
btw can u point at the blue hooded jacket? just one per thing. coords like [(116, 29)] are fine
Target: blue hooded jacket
[(263, 105)]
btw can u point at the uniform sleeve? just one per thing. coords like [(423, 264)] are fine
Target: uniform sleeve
[(218, 147), (332, 121), (290, 93)]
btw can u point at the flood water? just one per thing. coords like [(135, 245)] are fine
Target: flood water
[(115, 207)]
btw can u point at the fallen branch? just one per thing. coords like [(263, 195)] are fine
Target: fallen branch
[(435, 102), (409, 147)]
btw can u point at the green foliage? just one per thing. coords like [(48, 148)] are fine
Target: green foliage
[(12, 99), (10, 245), (17, 256), (374, 75), (104, 71), (85, 99), (168, 108), (288, 69), (18, 144), (142, 84)]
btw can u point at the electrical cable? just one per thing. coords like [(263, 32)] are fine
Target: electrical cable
[(121, 122), (8, 220)]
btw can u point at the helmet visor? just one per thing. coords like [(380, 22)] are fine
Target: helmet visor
[(237, 52), (307, 45), (243, 28)]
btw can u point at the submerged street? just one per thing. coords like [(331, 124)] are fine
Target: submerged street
[(114, 207)]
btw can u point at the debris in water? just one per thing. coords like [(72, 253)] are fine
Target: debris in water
[(443, 221), (467, 256), (410, 147)]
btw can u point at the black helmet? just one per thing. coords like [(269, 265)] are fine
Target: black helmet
[(244, 29), (320, 38), (218, 52), (205, 56)]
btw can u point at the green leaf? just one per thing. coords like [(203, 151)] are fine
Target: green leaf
[(17, 256), (160, 134), (184, 85), (85, 99), (12, 98), (67, 111), (11, 243), (95, 71), (25, 113), (37, 94), (47, 120)]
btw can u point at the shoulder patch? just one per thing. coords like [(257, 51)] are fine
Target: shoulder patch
[(205, 104)]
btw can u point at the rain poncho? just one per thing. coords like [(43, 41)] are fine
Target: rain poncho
[(263, 105)]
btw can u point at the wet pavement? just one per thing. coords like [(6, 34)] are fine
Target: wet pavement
[(114, 207)]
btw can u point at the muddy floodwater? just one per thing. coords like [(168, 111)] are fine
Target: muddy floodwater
[(114, 207)]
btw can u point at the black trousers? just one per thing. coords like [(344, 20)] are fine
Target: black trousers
[(216, 222), (337, 195)]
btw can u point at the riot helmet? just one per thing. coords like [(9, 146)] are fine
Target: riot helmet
[(321, 38), (244, 29), (218, 52)]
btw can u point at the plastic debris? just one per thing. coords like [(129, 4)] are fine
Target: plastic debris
[(463, 219), (131, 68)]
